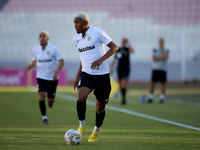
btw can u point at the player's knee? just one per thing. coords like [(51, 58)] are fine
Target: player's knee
[(42, 97), (50, 104), (123, 86), (82, 98), (100, 111), (50, 100)]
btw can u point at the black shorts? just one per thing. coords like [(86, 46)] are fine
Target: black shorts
[(159, 76), (99, 83), (47, 86), (123, 73)]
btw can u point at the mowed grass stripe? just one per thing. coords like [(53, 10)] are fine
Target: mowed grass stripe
[(33, 89), (89, 102), (170, 91)]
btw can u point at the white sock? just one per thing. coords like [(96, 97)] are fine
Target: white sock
[(162, 96), (82, 123), (44, 117), (151, 96), (97, 129)]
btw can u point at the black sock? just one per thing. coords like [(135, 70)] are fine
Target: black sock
[(99, 119), (81, 109), (123, 93), (42, 107)]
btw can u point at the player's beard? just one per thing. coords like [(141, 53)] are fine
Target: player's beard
[(43, 43)]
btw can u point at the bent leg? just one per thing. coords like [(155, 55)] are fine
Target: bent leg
[(50, 101), (42, 104), (83, 93), (100, 113)]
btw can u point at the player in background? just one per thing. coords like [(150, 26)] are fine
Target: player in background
[(46, 57), (159, 72), (123, 66), (93, 73)]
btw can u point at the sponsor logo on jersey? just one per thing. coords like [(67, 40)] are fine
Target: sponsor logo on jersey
[(86, 48), (43, 61), (89, 38)]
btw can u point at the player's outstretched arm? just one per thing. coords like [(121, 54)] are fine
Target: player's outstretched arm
[(113, 48)]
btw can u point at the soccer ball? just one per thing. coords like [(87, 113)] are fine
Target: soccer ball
[(72, 137)]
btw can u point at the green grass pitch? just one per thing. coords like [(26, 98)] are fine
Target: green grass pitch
[(20, 120)]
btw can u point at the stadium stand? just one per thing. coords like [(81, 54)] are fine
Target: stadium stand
[(143, 22), (165, 11)]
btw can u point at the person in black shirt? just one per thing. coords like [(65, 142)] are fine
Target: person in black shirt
[(123, 66)]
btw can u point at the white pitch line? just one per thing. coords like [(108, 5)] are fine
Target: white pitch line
[(130, 112)]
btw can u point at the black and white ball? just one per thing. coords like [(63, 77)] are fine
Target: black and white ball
[(72, 137)]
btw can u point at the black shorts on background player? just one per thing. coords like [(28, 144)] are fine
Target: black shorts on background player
[(47, 86), (159, 76), (100, 84), (123, 73)]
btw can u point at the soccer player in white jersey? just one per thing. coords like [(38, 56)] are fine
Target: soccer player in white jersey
[(49, 62), (93, 72), (159, 72)]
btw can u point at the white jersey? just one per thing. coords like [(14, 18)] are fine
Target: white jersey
[(91, 47), (161, 64), (47, 60)]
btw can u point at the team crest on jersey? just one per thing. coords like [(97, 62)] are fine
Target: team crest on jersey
[(48, 52), (89, 38)]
